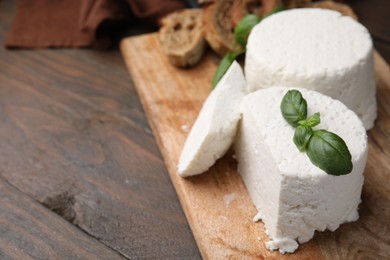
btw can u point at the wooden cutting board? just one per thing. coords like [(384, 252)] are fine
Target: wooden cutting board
[(216, 203)]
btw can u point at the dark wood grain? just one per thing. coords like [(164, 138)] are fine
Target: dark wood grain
[(73, 137), (374, 14), (30, 231)]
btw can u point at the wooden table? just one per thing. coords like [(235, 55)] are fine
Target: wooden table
[(81, 176)]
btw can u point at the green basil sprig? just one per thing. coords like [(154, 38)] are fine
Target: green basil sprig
[(311, 121), (224, 65), (244, 27), (241, 33), (294, 107), (329, 152), (325, 149), (302, 137)]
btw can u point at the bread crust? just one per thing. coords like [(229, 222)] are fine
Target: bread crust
[(219, 27), (221, 17), (182, 37), (184, 33), (342, 8)]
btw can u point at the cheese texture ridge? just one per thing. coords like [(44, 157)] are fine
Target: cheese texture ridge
[(294, 198), (316, 49), (215, 128)]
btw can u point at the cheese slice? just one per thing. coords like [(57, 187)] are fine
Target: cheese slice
[(215, 128), (294, 197), (316, 49)]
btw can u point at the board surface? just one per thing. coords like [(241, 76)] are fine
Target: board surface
[(216, 203)]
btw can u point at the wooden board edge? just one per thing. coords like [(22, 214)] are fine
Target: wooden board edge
[(382, 73)]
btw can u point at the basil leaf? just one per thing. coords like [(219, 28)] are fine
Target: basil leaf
[(241, 32), (302, 136), (244, 27), (311, 121), (294, 107), (329, 152), (224, 65)]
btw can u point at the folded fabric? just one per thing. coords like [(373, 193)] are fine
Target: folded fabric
[(74, 23)]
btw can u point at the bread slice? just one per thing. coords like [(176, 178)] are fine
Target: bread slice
[(221, 16), (201, 2), (182, 37), (290, 4), (339, 7), (219, 27), (244, 7)]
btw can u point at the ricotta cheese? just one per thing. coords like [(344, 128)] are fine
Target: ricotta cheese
[(316, 49), (293, 197), (215, 128)]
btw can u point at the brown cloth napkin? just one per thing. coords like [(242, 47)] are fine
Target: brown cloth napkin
[(74, 23)]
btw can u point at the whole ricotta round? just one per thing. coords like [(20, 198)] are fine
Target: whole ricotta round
[(294, 197), (316, 49)]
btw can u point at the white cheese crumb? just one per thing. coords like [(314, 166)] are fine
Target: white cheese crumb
[(227, 199), (257, 217), (285, 245), (223, 218), (185, 128)]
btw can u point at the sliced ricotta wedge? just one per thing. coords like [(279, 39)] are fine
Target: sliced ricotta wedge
[(316, 49), (293, 197), (215, 128)]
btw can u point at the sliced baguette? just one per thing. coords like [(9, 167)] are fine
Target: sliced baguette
[(290, 4), (219, 27), (244, 7), (221, 16), (182, 37), (201, 2), (339, 7)]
